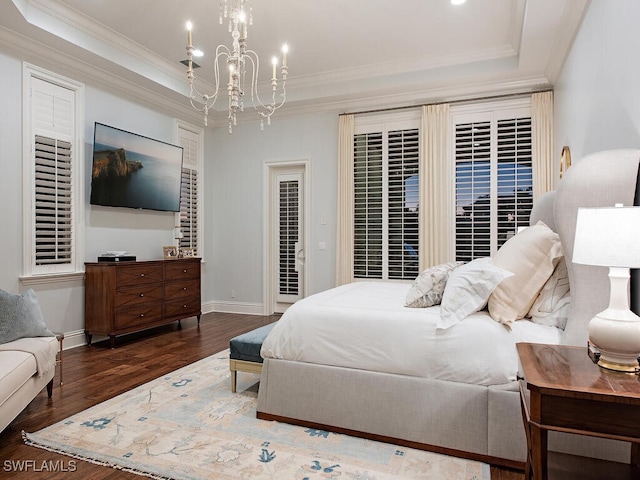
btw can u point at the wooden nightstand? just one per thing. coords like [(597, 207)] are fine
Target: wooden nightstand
[(569, 393)]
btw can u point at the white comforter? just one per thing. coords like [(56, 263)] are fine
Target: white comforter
[(365, 325)]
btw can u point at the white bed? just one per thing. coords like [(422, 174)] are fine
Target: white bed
[(391, 375), (377, 332)]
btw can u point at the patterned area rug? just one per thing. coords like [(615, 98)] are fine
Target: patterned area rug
[(188, 425)]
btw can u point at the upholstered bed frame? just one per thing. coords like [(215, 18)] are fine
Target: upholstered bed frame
[(466, 420)]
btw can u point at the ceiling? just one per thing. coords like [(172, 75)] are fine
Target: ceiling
[(345, 55)]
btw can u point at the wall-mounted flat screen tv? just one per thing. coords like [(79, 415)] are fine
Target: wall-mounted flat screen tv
[(130, 170)]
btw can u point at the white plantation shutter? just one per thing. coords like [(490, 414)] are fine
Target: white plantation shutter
[(189, 191), (493, 179), (386, 186), (53, 201), (403, 194), (53, 164), (289, 242), (368, 205)]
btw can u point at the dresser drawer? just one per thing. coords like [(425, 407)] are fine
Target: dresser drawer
[(138, 295), (183, 308), (138, 273), (178, 290), (182, 270), (137, 316)]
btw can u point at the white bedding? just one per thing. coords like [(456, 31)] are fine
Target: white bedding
[(365, 325)]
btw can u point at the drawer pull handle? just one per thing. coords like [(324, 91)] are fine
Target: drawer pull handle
[(184, 288), (141, 315), (184, 306), (184, 271), (142, 274), (142, 294)]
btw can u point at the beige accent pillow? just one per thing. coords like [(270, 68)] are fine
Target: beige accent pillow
[(531, 255)]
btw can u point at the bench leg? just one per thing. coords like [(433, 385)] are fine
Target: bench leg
[(234, 376)]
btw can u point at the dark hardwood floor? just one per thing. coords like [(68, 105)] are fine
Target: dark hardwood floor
[(97, 373)]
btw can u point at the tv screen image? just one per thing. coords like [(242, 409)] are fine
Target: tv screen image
[(134, 171)]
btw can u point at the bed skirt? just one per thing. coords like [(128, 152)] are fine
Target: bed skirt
[(465, 420)]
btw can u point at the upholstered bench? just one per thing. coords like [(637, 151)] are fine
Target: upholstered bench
[(244, 353)]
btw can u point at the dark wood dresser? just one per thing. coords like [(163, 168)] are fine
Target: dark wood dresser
[(124, 297)]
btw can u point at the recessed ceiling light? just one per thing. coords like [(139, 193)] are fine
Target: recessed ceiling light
[(457, 2)]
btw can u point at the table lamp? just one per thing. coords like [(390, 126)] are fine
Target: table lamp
[(610, 236)]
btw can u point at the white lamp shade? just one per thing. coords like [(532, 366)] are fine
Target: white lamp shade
[(608, 236)]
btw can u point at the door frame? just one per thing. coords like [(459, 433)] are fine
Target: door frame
[(269, 171)]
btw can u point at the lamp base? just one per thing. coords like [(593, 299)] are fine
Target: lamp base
[(596, 357), (616, 337)]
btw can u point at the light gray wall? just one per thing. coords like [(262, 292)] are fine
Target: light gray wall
[(140, 232), (597, 96), (234, 175), (232, 207)]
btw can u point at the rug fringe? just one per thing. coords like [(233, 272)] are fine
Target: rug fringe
[(28, 440)]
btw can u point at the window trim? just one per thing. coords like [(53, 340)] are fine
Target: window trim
[(199, 131), (385, 123), (32, 274), (492, 111)]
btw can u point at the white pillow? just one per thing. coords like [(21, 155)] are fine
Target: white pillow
[(554, 301), (428, 287), (531, 255), (468, 289)]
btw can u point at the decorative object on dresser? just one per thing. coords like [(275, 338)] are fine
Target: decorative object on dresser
[(170, 252), (608, 236), (124, 297)]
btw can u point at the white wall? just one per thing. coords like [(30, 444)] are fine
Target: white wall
[(140, 232), (234, 175), (597, 96)]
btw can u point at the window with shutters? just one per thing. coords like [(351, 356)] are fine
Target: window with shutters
[(386, 192), (493, 178), (52, 168), (190, 139)]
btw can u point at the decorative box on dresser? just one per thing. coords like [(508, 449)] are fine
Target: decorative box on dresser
[(124, 297)]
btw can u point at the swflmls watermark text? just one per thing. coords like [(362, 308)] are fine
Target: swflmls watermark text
[(39, 465)]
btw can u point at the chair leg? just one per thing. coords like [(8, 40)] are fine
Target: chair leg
[(234, 374), (50, 388)]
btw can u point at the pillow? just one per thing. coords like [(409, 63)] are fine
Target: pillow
[(21, 317), (468, 289), (428, 287), (531, 255), (554, 301)]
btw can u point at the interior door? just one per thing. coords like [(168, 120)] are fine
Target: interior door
[(288, 238)]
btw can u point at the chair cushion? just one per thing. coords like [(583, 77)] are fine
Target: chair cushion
[(247, 346)]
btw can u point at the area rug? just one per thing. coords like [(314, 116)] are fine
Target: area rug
[(188, 425)]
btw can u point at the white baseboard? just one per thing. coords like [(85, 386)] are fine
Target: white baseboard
[(244, 308), (74, 339)]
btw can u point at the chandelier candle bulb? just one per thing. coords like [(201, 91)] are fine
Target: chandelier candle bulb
[(189, 27), (274, 62), (244, 67)]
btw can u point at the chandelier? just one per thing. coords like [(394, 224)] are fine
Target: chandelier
[(242, 65)]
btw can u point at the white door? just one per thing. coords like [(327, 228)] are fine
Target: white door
[(288, 257)]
